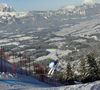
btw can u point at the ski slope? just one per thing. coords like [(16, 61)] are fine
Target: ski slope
[(22, 82)]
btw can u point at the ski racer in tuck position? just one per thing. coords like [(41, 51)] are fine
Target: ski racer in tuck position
[(53, 65)]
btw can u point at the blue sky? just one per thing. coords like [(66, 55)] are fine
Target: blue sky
[(38, 5)]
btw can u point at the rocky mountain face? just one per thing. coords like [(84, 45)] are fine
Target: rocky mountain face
[(6, 8)]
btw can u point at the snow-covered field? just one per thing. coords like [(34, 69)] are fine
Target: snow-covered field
[(22, 82), (56, 39), (24, 38), (81, 29), (53, 53), (17, 14), (11, 43)]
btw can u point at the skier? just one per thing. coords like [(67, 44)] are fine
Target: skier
[(53, 65)]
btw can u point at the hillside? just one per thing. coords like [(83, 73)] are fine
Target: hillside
[(10, 81), (21, 82)]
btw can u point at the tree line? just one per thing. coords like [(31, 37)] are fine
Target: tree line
[(88, 71)]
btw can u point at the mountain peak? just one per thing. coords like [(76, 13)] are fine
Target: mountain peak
[(70, 7), (6, 8), (88, 2)]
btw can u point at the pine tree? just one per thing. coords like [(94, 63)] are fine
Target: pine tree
[(98, 74), (92, 67), (69, 73), (82, 69)]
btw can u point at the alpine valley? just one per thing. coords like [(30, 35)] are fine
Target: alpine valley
[(67, 34)]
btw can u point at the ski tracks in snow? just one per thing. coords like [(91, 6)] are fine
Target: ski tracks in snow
[(96, 87)]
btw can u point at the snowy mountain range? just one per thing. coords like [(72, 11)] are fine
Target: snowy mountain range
[(80, 10), (87, 2), (6, 8), (46, 19)]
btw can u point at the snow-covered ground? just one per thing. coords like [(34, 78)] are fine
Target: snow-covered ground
[(81, 29), (17, 14), (22, 82), (53, 53), (10, 43), (24, 38), (55, 39)]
